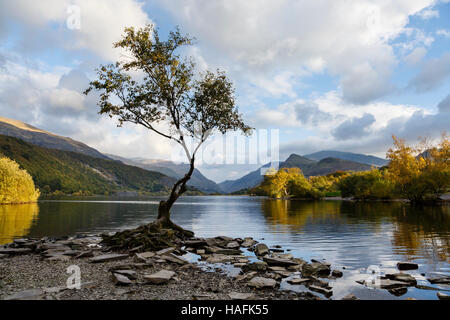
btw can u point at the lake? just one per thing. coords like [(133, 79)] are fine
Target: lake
[(350, 235)]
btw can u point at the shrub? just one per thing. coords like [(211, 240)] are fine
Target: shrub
[(16, 185)]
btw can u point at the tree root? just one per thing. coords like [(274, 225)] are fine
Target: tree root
[(157, 235)]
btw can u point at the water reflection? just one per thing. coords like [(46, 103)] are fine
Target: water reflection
[(16, 220), (413, 230)]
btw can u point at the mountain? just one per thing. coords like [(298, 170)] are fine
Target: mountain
[(72, 172), (174, 170), (248, 181), (309, 168), (30, 134), (356, 157)]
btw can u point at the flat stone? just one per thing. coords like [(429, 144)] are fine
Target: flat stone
[(202, 296), (57, 257), (248, 242), (130, 274), (443, 296), (327, 293), (15, 251), (284, 274), (286, 256), (391, 284), (246, 276), (297, 281), (2, 256), (403, 277), (175, 259), (159, 277), (144, 256), (260, 283), (108, 257), (239, 264), (219, 250), (52, 246), (201, 251), (222, 258), (273, 261), (120, 279), (121, 267), (195, 243), (439, 280), (21, 241), (71, 253), (166, 251), (241, 296), (398, 291), (233, 245), (256, 266), (261, 249), (276, 268), (350, 296), (407, 266), (315, 268), (32, 294), (337, 273), (85, 254)]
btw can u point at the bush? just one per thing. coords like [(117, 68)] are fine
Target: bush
[(16, 185), (371, 184)]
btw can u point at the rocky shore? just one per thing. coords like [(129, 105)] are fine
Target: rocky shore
[(190, 270)]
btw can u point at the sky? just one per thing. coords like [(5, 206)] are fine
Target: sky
[(329, 75)]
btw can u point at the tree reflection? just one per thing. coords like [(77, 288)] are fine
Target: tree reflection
[(16, 220), (416, 230)]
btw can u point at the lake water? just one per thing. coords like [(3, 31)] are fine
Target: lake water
[(347, 234)]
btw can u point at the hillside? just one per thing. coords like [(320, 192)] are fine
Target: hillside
[(174, 170), (309, 168), (30, 134), (356, 157), (71, 172)]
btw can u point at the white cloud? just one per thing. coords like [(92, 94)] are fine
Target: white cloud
[(428, 14), (44, 24), (443, 32), (432, 75), (416, 56), (349, 39)]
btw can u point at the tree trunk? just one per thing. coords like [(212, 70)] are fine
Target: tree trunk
[(164, 206)]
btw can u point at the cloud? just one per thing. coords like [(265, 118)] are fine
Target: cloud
[(309, 113), (432, 74), (363, 134), (52, 100), (348, 40), (443, 32), (444, 105), (43, 24), (416, 56), (428, 14), (355, 127)]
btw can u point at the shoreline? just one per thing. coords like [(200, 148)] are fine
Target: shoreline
[(37, 269)]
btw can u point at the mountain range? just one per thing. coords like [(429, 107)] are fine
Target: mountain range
[(309, 167), (71, 172), (319, 163), (356, 157), (30, 134), (174, 170)]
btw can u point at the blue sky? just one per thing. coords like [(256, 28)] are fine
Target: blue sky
[(328, 74)]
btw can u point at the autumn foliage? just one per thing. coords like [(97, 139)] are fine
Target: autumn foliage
[(415, 173), (16, 185)]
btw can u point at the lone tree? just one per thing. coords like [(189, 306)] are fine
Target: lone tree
[(167, 92)]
